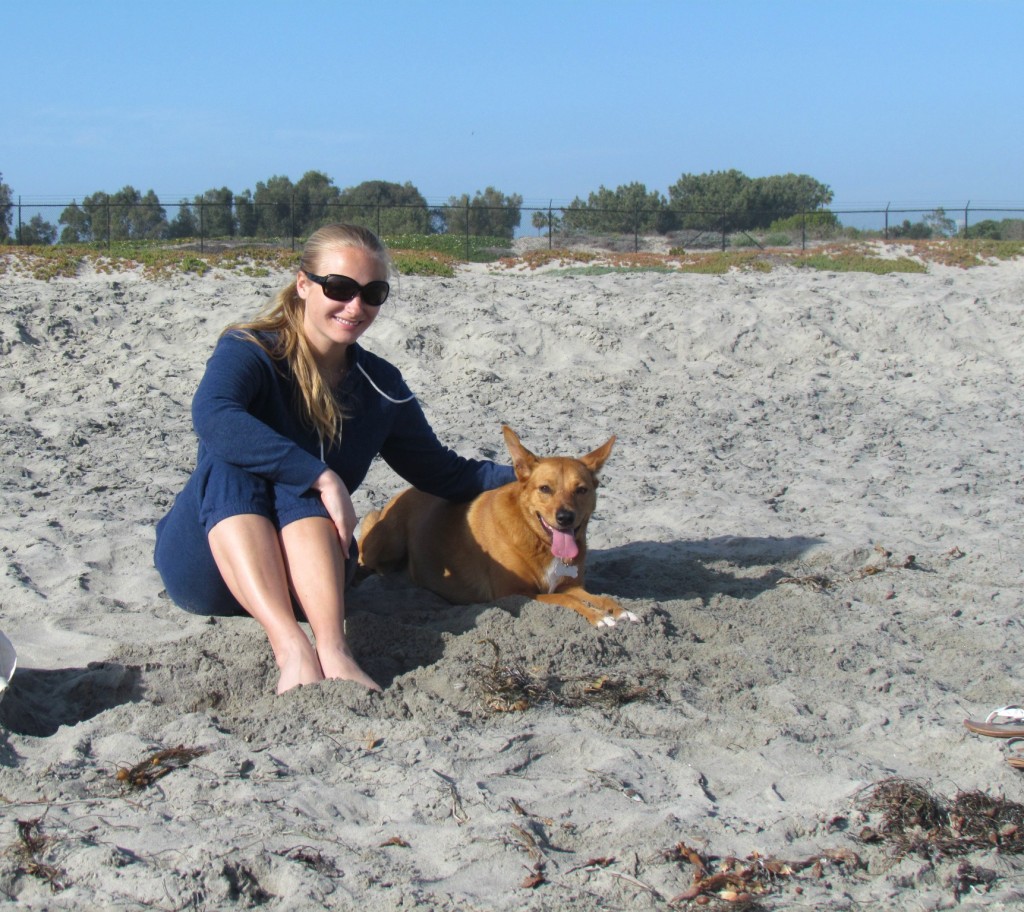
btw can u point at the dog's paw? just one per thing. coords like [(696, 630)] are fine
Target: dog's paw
[(610, 620)]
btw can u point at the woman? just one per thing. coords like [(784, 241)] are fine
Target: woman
[(289, 415)]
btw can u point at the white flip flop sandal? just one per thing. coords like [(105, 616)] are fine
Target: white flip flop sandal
[(1005, 722)]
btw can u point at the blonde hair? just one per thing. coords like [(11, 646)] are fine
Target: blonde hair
[(283, 318)]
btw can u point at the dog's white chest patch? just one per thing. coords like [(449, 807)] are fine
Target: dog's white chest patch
[(558, 571)]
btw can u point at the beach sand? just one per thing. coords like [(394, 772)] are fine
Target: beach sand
[(814, 505)]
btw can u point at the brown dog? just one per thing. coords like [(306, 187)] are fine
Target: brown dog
[(526, 538)]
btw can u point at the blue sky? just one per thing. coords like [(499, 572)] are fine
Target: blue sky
[(902, 101)]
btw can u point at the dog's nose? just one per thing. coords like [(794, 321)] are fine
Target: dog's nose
[(565, 518)]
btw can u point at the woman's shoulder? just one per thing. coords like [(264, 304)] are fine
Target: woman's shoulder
[(241, 342), (251, 353)]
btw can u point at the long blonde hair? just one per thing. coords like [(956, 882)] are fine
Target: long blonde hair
[(283, 318)]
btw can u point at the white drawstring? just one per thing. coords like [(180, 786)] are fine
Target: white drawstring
[(379, 390), (362, 370)]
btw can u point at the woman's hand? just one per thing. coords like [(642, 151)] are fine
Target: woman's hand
[(339, 507)]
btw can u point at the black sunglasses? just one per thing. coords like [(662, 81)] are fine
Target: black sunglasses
[(342, 288)]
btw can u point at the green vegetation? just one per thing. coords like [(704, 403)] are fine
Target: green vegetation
[(487, 213), (717, 201), (966, 253), (721, 262), (624, 210), (482, 248), (731, 201), (277, 210), (440, 254), (821, 224), (606, 269), (161, 261), (854, 261), (989, 229), (423, 263), (776, 211), (5, 210)]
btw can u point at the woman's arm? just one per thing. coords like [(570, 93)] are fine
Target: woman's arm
[(414, 452), (241, 413)]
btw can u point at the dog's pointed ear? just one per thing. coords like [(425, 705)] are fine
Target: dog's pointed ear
[(595, 460), (523, 461)]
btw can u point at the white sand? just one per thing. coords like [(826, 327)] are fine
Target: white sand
[(769, 426)]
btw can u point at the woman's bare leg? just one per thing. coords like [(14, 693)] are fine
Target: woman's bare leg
[(316, 568), (247, 551)]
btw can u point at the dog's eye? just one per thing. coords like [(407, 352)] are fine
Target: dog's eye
[(544, 489), (581, 490)]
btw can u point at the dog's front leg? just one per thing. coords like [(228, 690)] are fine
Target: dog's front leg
[(600, 610)]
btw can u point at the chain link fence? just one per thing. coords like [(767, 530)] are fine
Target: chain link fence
[(482, 232)]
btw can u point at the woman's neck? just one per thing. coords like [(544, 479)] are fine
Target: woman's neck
[(332, 365)]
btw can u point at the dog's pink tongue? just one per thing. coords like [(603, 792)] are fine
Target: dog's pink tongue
[(563, 545)]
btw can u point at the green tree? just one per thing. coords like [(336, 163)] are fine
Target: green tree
[(387, 208), (545, 220), (487, 214), (626, 209), (76, 224), (37, 231), (731, 201), (135, 216), (1008, 229), (6, 210), (713, 201), (272, 204), (216, 215), (784, 195), (940, 223), (245, 215), (315, 202), (913, 231), (125, 215), (184, 224)]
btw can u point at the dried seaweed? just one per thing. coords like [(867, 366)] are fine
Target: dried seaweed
[(814, 582), (970, 879), (818, 582), (312, 859), (507, 686), (739, 882), (157, 766), (29, 851), (610, 692), (916, 822)]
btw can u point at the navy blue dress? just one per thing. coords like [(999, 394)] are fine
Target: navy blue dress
[(257, 455)]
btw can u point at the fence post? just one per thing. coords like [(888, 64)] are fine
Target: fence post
[(966, 208), (107, 201), (887, 205), (202, 225), (291, 218), (551, 223), (467, 228), (803, 230), (19, 235)]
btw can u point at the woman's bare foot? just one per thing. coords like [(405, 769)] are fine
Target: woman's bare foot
[(338, 662), (299, 665)]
